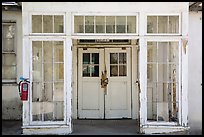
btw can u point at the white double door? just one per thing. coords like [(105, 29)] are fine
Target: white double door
[(95, 102)]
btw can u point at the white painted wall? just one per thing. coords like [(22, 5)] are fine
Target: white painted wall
[(195, 71), (11, 103)]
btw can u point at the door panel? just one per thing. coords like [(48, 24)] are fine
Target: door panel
[(93, 100)]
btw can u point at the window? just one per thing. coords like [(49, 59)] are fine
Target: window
[(8, 52), (47, 24), (47, 81), (105, 24), (163, 24), (162, 81)]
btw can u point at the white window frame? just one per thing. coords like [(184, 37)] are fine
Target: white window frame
[(51, 14), (106, 14), (164, 14), (143, 79), (8, 81), (65, 121)]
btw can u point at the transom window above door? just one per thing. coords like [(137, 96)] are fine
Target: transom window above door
[(105, 24)]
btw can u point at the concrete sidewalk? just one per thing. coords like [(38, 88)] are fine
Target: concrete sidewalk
[(91, 127)]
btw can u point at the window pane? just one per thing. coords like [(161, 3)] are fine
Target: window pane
[(37, 72), (89, 24), (151, 52), (122, 58), (48, 72), (110, 24), (86, 71), (121, 23), (131, 24), (113, 58), (173, 52), (95, 58), (151, 24), (9, 72), (37, 51), (86, 58), (58, 91), (58, 51), (47, 110), (37, 111), (37, 92), (47, 24), (100, 24), (58, 24), (173, 24), (37, 23), (162, 24), (9, 59), (59, 71), (8, 34), (152, 111), (152, 72), (48, 51), (163, 52), (94, 71), (113, 70), (48, 94), (78, 24), (8, 45), (122, 70), (59, 110)]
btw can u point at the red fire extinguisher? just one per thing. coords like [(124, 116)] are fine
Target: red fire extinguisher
[(23, 87)]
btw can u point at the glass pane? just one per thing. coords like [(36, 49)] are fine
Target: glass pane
[(151, 52), (163, 52), (173, 112), (47, 24), (86, 71), (94, 71), (37, 92), (122, 58), (163, 112), (86, 58), (58, 51), (58, 24), (37, 51), (9, 59), (48, 94), (9, 72), (8, 31), (8, 45), (110, 24), (121, 23), (78, 24), (173, 52), (151, 24), (151, 72), (100, 24), (131, 24), (36, 111), (48, 108), (58, 91), (59, 71), (59, 110), (122, 70), (37, 72), (89, 24), (95, 58), (152, 111), (37, 23), (173, 24), (48, 51), (162, 24), (113, 58), (48, 72), (113, 70), (164, 71)]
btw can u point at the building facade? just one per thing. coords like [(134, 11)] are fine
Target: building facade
[(105, 61)]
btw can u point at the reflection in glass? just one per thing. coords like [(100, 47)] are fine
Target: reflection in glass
[(37, 51), (100, 24), (95, 58), (121, 23), (122, 70), (110, 24), (122, 58), (58, 51), (58, 71), (48, 72), (173, 24), (36, 23), (94, 71), (86, 71), (89, 24), (131, 24), (48, 51), (113, 70), (47, 24), (78, 24), (86, 58), (113, 58), (162, 24), (58, 24), (151, 24)]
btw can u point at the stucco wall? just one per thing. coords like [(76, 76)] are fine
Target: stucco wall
[(195, 71), (11, 103)]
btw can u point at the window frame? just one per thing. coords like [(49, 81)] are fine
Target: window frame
[(51, 14), (106, 14), (164, 14), (10, 81), (64, 84)]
